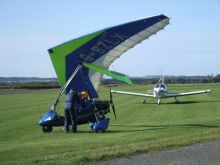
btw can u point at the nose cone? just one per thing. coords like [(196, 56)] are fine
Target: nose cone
[(48, 118), (156, 90), (41, 122), (44, 121)]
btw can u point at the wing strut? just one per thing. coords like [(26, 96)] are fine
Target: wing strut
[(53, 107)]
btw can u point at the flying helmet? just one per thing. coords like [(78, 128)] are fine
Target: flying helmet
[(84, 94)]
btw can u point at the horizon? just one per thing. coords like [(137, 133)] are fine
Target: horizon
[(147, 76)]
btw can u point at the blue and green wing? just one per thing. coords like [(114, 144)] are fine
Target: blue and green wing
[(100, 48)]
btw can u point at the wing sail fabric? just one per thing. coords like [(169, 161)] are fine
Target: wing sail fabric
[(113, 74), (100, 48)]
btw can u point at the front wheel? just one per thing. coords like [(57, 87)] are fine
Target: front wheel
[(158, 101), (47, 129)]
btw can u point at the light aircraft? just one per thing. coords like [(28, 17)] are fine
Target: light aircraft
[(81, 62), (160, 91)]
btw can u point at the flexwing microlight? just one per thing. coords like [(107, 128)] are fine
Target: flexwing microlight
[(80, 63)]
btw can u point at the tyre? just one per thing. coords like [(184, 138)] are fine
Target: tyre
[(47, 129)]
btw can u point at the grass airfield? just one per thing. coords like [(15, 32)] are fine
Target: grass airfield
[(138, 128)]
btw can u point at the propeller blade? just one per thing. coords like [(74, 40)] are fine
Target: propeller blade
[(110, 93), (113, 108)]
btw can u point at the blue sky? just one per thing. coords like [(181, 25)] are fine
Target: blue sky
[(190, 45)]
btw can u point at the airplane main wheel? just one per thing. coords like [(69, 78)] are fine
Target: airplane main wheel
[(177, 100), (47, 129)]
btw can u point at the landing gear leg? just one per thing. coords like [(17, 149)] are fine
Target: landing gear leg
[(177, 100), (158, 101)]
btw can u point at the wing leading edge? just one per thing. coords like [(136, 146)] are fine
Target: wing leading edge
[(167, 95), (187, 93)]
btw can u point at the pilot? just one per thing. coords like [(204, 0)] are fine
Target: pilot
[(84, 95), (85, 101), (70, 112)]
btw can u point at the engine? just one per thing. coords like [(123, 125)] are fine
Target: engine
[(102, 106)]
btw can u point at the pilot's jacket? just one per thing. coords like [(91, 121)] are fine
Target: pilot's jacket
[(71, 98)]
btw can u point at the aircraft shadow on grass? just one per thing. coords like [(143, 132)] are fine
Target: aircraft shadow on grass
[(136, 128), (188, 102), (80, 132), (194, 102), (144, 128)]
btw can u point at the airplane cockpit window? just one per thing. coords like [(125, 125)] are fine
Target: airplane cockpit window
[(162, 86), (156, 86)]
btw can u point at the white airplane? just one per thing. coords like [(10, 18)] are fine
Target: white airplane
[(160, 91)]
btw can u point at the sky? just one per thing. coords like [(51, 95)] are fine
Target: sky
[(189, 45)]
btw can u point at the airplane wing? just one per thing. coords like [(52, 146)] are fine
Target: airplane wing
[(186, 93), (98, 50), (132, 93)]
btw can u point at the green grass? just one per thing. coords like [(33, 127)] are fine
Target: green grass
[(138, 128)]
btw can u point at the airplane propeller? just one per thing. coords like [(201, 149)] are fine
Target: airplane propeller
[(112, 104)]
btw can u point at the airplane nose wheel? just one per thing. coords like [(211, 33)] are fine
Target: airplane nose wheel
[(158, 101), (47, 129)]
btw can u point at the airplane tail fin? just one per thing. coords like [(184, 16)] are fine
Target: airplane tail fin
[(161, 80)]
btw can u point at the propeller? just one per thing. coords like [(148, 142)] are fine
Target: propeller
[(112, 104)]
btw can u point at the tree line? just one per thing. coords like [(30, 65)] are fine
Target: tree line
[(108, 81), (168, 80)]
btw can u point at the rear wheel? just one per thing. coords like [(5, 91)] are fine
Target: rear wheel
[(47, 129)]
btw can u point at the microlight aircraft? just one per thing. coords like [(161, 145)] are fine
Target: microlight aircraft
[(160, 91), (80, 63)]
